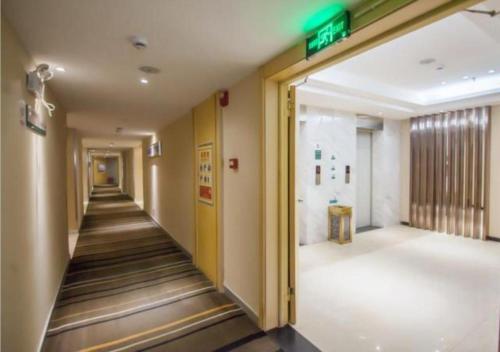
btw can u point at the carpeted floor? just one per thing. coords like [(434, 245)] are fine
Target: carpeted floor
[(130, 288)]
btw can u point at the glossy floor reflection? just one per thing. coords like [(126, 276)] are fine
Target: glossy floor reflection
[(400, 289)]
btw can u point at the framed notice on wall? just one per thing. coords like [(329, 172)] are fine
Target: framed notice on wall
[(204, 155)]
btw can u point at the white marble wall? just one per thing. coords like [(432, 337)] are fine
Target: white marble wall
[(334, 133), (386, 175)]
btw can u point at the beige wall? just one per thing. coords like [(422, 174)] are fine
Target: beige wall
[(85, 170), (138, 177), (169, 182), (74, 183), (241, 191), (495, 173), (34, 244), (404, 200), (133, 179), (128, 172)]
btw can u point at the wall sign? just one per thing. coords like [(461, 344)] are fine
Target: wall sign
[(34, 120), (154, 150), (333, 31), (205, 173)]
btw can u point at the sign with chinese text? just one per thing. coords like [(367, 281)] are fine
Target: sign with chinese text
[(205, 174), (335, 30)]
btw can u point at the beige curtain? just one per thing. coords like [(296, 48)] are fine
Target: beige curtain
[(449, 172)]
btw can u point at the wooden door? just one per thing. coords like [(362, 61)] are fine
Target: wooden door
[(206, 147)]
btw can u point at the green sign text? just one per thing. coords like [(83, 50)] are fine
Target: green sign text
[(336, 29)]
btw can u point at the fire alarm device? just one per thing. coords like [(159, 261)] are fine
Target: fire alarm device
[(224, 98), (233, 164)]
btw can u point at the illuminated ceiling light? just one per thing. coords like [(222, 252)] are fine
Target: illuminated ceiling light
[(427, 61), (491, 72), (144, 81), (443, 83), (60, 69), (465, 77)]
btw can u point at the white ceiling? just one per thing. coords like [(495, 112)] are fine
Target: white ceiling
[(111, 143), (199, 45), (389, 80)]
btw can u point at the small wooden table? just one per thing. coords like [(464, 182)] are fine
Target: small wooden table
[(340, 225)]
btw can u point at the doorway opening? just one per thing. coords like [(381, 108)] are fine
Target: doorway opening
[(375, 146)]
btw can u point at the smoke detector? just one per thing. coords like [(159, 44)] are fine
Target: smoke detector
[(139, 42)]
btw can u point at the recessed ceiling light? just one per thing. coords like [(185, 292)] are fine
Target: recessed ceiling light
[(491, 71), (144, 81), (427, 61), (149, 69), (465, 77), (60, 69)]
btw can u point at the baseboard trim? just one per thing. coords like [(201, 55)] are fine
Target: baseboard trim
[(246, 308), (51, 311), (184, 250), (491, 238)]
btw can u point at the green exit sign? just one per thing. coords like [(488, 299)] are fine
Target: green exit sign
[(333, 31)]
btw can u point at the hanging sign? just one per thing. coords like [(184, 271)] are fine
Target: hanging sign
[(333, 31), (205, 173)]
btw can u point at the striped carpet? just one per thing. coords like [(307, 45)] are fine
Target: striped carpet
[(129, 287)]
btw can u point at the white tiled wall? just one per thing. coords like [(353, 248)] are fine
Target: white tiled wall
[(334, 133)]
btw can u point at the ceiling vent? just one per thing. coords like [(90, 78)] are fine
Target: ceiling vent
[(149, 70), (427, 61)]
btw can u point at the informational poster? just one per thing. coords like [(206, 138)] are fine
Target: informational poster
[(35, 120), (205, 173)]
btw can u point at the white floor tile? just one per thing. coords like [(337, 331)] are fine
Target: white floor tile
[(400, 289)]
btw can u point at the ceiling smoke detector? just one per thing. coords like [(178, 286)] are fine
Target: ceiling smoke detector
[(149, 70), (139, 42)]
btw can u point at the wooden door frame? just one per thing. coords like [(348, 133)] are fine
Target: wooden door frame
[(390, 20)]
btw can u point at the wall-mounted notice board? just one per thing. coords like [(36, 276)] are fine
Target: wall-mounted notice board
[(205, 173)]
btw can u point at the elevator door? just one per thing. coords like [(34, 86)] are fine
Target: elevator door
[(363, 208)]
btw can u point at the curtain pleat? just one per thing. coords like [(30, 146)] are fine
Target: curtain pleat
[(449, 167)]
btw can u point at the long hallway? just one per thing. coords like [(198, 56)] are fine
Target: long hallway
[(129, 287)]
